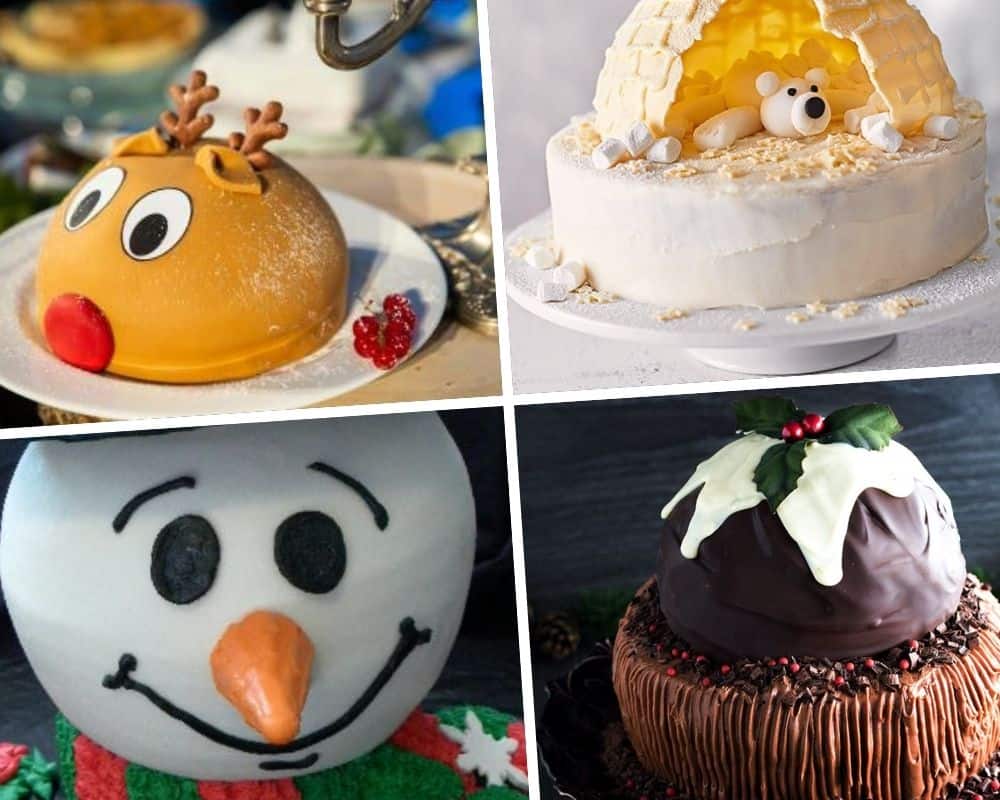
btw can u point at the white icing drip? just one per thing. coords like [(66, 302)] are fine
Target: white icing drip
[(817, 513)]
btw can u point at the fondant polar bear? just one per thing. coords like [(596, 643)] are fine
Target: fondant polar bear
[(792, 108)]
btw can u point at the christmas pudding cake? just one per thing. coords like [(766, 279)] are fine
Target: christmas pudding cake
[(811, 631), (181, 259), (252, 612), (769, 153)]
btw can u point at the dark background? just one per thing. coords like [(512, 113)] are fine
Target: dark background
[(594, 477), (484, 667)]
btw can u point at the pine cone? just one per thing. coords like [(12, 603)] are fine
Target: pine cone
[(557, 635)]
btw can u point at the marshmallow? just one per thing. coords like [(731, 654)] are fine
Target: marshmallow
[(609, 153), (941, 127), (541, 256), (724, 129), (665, 151), (853, 117), (549, 292), (640, 138), (878, 130), (571, 274)]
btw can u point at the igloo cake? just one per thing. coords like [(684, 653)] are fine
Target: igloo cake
[(810, 631), (183, 259), (249, 611), (769, 153)]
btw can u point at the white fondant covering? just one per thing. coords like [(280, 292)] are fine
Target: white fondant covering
[(816, 514), (80, 595), (696, 235)]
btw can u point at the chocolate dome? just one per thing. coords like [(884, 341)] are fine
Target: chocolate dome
[(749, 591)]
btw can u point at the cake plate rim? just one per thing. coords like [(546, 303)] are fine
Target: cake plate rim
[(775, 346), (392, 257)]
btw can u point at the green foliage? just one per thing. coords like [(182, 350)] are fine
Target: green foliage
[(777, 475), (599, 611), (870, 427), (35, 779), (766, 415), (17, 203)]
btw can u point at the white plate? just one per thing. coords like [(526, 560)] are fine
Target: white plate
[(386, 256), (775, 346)]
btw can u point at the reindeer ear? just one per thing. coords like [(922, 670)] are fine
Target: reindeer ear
[(228, 169), (768, 83), (147, 143)]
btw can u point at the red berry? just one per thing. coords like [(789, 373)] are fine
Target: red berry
[(849, 666), (366, 326), (793, 432), (870, 663), (652, 627), (365, 347), (671, 672), (794, 668), (914, 644), (675, 652), (671, 792), (706, 682), (78, 332), (393, 302), (725, 669), (701, 659), (772, 663), (384, 358), (398, 327), (814, 424), (685, 655), (839, 681), (904, 664), (630, 784), (783, 661), (995, 785), (404, 316), (400, 345)]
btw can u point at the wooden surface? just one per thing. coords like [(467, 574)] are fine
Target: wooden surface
[(594, 477), (457, 362)]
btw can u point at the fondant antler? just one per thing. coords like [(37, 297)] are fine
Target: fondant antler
[(186, 126), (262, 127)]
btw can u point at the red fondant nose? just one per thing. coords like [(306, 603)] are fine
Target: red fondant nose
[(78, 332)]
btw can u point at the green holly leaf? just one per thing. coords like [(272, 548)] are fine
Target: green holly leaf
[(870, 427), (765, 415), (779, 471)]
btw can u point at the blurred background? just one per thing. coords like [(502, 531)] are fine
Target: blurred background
[(547, 54), (74, 74), (594, 477)]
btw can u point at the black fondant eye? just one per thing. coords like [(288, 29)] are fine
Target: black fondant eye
[(309, 551), (814, 88), (792, 92), (93, 197), (185, 558), (156, 223)]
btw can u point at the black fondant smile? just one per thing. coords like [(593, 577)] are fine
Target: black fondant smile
[(410, 639)]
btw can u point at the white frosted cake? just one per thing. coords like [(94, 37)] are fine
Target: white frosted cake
[(770, 153)]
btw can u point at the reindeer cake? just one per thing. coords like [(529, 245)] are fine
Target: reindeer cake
[(769, 153), (184, 259)]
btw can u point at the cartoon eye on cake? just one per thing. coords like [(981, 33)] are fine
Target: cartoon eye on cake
[(184, 259), (254, 603)]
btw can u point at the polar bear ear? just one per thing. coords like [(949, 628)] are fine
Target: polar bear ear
[(768, 83), (818, 76)]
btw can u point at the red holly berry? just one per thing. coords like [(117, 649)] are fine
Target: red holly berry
[(685, 655), (675, 652), (366, 326), (870, 663), (904, 664), (783, 661), (793, 432), (671, 672), (849, 666), (814, 424), (839, 681), (706, 682), (725, 669), (384, 358), (772, 663), (794, 668), (701, 659), (914, 644)]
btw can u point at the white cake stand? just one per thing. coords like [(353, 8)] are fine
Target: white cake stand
[(387, 256), (775, 346)]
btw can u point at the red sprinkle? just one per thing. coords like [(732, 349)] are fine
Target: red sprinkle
[(701, 659), (783, 661), (725, 669), (995, 785), (839, 681), (706, 682), (870, 663), (904, 664), (849, 666), (675, 653), (685, 655), (794, 668), (914, 644), (671, 672), (671, 792)]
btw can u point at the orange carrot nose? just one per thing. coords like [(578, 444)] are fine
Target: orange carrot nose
[(261, 665)]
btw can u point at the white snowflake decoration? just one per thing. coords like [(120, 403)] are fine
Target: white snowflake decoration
[(486, 756)]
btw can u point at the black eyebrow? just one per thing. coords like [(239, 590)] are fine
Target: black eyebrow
[(123, 516), (377, 509)]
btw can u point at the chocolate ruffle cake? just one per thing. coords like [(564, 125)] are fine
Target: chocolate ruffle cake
[(811, 632)]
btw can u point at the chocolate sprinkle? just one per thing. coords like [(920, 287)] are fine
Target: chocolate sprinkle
[(810, 678)]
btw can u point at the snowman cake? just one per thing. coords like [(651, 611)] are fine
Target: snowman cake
[(266, 603), (810, 630), (184, 259), (768, 153)]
